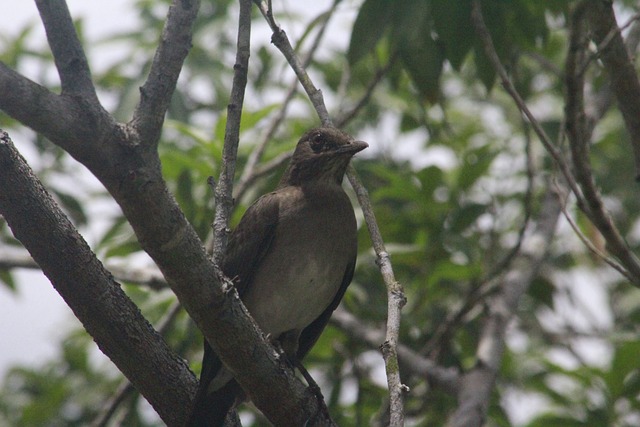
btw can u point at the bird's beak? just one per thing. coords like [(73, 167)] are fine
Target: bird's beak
[(352, 148)]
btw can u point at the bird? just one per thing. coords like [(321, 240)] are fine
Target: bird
[(291, 258)]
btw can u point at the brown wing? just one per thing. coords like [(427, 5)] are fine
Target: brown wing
[(247, 246), (250, 241)]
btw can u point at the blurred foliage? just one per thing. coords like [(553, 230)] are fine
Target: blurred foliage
[(448, 175)]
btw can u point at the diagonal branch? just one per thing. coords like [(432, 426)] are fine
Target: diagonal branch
[(487, 43), (578, 135), (619, 65), (250, 172), (156, 92), (395, 301), (446, 379), (67, 50), (395, 292), (281, 41), (91, 292), (476, 385)]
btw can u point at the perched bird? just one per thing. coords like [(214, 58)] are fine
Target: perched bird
[(291, 258)]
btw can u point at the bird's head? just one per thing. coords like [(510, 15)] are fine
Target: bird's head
[(322, 154)]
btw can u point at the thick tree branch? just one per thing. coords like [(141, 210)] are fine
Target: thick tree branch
[(96, 299), (578, 134), (71, 62), (126, 388), (156, 92), (70, 120), (622, 72)]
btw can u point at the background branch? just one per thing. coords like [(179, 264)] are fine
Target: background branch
[(623, 77), (577, 133)]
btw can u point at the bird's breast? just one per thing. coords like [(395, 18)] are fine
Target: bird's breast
[(315, 240)]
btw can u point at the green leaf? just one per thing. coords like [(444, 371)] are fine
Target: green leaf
[(368, 28), (465, 216), (71, 206), (624, 363), (452, 21)]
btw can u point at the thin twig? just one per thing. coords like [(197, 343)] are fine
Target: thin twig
[(395, 301), (487, 43), (620, 67), (224, 187), (281, 41), (396, 298), (585, 240), (251, 168), (347, 116)]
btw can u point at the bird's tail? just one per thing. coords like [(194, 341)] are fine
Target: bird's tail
[(210, 410)]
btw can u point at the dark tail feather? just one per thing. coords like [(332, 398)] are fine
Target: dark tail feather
[(210, 410)]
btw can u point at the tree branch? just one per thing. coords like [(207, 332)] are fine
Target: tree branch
[(620, 67), (414, 364), (71, 62), (126, 388), (487, 43), (281, 41), (395, 301), (578, 135), (155, 94), (114, 322), (395, 292), (224, 187), (476, 385)]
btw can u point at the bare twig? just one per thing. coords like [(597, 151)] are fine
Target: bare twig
[(156, 92), (395, 301), (485, 39), (396, 298), (446, 379), (251, 168), (594, 250), (578, 133), (150, 277), (224, 187), (477, 383), (281, 41), (347, 116)]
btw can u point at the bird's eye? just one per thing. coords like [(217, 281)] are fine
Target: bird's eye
[(317, 143)]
